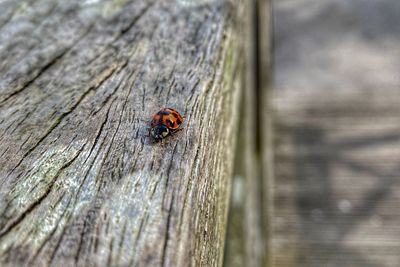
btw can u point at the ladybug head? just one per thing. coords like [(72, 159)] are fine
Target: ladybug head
[(159, 131)]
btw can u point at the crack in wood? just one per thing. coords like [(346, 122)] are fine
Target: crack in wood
[(167, 229), (99, 132)]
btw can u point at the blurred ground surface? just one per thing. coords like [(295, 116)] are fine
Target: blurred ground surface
[(337, 131)]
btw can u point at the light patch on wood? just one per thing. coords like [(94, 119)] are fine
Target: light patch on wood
[(31, 190)]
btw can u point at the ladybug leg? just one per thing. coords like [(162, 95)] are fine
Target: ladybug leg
[(177, 130), (147, 134)]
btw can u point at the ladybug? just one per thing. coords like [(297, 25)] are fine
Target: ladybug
[(165, 122)]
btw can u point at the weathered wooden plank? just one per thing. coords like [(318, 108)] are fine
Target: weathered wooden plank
[(81, 183)]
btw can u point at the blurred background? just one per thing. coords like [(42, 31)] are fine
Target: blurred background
[(336, 96)]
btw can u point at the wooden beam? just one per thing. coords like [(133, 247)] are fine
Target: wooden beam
[(81, 182)]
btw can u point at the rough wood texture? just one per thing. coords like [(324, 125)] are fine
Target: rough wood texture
[(81, 184)]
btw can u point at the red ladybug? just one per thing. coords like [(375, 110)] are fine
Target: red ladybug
[(165, 122)]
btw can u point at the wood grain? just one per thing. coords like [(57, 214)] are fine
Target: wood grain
[(81, 183)]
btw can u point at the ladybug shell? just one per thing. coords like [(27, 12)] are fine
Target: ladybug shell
[(168, 117)]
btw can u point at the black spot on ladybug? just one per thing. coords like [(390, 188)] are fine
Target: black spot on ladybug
[(171, 123)]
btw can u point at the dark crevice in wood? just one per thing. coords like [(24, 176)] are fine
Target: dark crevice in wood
[(152, 193), (167, 229), (257, 76), (96, 239), (189, 186), (99, 132), (110, 249), (171, 163), (112, 139), (5, 151), (108, 98), (143, 98), (136, 19)]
